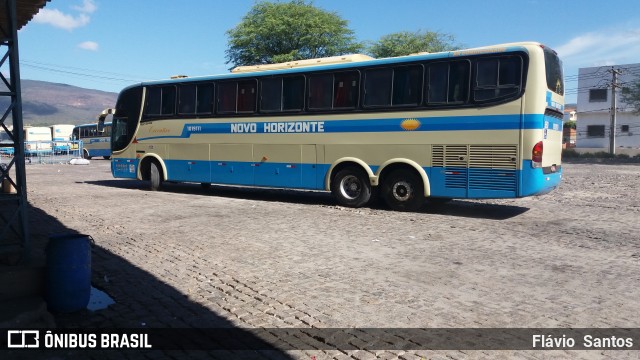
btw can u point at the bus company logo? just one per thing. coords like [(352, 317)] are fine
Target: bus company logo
[(410, 124), (163, 130), (18, 339)]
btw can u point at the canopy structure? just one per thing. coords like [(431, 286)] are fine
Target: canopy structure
[(14, 234), (25, 11)]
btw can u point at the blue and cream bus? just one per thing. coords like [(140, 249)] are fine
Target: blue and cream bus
[(95, 138), (477, 123)]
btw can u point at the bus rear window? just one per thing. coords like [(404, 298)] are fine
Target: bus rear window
[(553, 64)]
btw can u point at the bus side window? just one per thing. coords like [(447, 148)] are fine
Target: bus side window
[(293, 93), (187, 99), (168, 100), (346, 90), (377, 87), (227, 92), (407, 82), (153, 101), (448, 83), (160, 101), (247, 96), (497, 78), (438, 81), (204, 98), (271, 94), (320, 91), (282, 94), (459, 75)]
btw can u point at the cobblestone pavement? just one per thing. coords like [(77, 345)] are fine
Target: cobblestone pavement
[(192, 257)]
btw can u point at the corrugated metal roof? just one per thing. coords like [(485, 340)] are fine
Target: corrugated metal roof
[(25, 10)]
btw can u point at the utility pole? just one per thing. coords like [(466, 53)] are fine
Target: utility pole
[(612, 125)]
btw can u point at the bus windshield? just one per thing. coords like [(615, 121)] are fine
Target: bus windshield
[(553, 64), (125, 119)]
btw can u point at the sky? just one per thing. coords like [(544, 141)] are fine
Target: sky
[(110, 44)]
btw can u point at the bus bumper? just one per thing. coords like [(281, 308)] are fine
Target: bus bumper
[(538, 181), (124, 168)]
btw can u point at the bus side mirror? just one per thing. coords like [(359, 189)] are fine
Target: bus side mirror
[(102, 117)]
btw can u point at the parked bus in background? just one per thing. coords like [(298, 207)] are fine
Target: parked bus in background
[(95, 141), (61, 136), (37, 140), (6, 142), (477, 123)]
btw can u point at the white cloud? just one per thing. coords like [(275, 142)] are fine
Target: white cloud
[(88, 7), (605, 47), (58, 19), (89, 45)]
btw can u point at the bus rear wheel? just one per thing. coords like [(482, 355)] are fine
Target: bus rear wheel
[(85, 154), (155, 175), (351, 187), (403, 191)]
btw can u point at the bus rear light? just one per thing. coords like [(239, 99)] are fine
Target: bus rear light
[(536, 155)]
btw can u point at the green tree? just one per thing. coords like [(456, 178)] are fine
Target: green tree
[(295, 30), (406, 42), (631, 95)]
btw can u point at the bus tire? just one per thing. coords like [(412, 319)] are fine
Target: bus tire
[(155, 175), (351, 187), (106, 157), (403, 190), (85, 154)]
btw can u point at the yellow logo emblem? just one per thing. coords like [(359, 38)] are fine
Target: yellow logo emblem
[(410, 124)]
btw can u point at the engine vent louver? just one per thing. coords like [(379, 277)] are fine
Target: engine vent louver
[(477, 167)]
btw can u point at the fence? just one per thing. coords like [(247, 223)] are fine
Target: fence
[(45, 152)]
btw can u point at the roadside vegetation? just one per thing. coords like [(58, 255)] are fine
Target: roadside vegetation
[(570, 155)]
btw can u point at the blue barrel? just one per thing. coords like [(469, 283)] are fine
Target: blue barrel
[(68, 273)]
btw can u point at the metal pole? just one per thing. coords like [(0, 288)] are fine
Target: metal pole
[(21, 179), (612, 125)]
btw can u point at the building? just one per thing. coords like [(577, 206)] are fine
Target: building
[(594, 104), (569, 130)]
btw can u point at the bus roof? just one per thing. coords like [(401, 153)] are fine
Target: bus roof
[(340, 62), (303, 63)]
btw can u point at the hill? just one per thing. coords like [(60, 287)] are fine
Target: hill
[(45, 103)]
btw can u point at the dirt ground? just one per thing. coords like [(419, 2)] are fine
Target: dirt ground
[(270, 258)]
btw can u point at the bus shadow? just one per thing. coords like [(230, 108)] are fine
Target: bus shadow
[(458, 208), (142, 301), (476, 210)]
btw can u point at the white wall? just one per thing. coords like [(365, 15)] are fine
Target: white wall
[(597, 112)]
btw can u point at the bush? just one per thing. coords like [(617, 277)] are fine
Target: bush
[(570, 154), (603, 154)]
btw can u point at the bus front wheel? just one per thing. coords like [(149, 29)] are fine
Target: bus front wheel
[(85, 154), (351, 187), (403, 191), (155, 175)]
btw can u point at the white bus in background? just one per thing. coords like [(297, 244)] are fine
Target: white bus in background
[(37, 140), (61, 137)]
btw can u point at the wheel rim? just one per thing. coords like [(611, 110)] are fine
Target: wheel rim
[(350, 187), (402, 191)]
